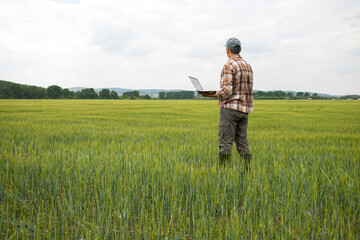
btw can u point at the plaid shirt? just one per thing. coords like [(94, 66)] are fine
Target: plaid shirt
[(236, 86)]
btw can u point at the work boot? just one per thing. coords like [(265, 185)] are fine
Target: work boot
[(224, 159), (247, 159)]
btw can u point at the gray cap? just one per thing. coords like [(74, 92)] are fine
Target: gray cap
[(233, 44)]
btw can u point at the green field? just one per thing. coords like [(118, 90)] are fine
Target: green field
[(98, 169)]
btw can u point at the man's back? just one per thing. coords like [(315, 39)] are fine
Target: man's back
[(236, 85)]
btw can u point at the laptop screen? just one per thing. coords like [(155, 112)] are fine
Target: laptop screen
[(196, 83)]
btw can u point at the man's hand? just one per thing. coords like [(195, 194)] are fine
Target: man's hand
[(206, 94)]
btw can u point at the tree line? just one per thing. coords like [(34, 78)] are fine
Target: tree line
[(10, 90), (285, 95), (298, 95), (177, 95)]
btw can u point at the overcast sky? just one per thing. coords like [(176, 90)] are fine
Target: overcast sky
[(300, 45)]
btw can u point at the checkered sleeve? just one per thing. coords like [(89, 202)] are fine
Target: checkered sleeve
[(225, 83)]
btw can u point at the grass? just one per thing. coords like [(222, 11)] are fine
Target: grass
[(110, 169)]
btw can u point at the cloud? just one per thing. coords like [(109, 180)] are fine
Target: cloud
[(303, 45), (67, 1), (113, 38)]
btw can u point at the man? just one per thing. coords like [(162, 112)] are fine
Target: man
[(235, 103)]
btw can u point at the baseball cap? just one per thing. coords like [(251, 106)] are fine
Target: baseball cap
[(233, 44)]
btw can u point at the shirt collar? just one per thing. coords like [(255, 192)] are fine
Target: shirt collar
[(236, 56)]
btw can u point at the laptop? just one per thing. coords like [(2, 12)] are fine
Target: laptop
[(198, 86)]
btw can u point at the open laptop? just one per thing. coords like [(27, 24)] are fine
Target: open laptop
[(198, 86)]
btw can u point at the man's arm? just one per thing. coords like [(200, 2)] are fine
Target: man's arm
[(225, 82)]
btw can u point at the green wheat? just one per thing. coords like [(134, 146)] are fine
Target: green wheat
[(110, 169)]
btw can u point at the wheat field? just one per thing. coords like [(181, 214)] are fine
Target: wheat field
[(123, 169)]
